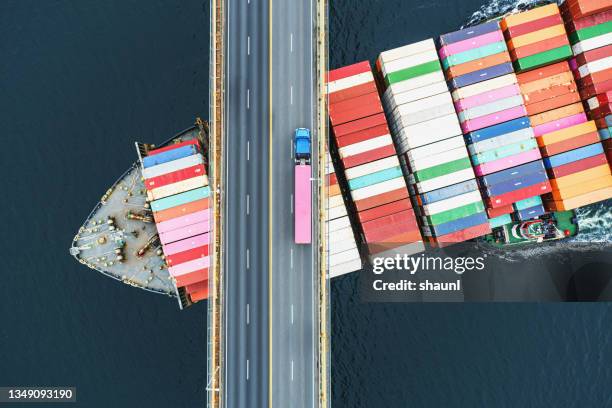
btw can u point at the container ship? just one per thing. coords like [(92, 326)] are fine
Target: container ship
[(150, 228), (495, 132)]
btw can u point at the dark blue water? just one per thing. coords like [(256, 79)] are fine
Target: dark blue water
[(80, 81)]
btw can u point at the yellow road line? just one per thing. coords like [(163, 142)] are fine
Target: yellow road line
[(270, 152)]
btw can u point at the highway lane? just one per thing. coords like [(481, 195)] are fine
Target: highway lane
[(246, 240), (294, 318), (252, 358)]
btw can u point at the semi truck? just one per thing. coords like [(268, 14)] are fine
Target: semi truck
[(302, 189)]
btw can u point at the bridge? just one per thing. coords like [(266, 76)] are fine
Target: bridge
[(268, 313)]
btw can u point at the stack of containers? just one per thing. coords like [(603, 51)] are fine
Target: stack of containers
[(432, 150), (570, 145), (343, 255), (177, 188), (536, 37), (493, 118), (589, 25), (369, 162)]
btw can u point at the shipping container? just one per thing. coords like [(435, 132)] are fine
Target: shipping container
[(184, 232), (574, 155), (180, 210), (484, 86), (481, 75), (507, 162), (528, 202), (448, 192), (186, 244), (175, 176), (519, 194), (180, 199), (173, 166), (576, 166), (169, 155), (183, 221), (178, 187)]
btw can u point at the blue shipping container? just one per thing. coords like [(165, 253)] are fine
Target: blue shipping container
[(531, 212), (448, 192), (468, 33), (516, 184), (375, 178), (498, 130), (169, 155), (573, 155), (481, 75), (512, 173), (456, 225)]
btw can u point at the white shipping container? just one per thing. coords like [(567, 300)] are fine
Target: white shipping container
[(409, 61), (489, 108), (446, 180), (335, 201), (440, 158), (173, 165), (413, 83), (341, 246), (423, 104), (377, 189), (451, 203), (178, 187), (335, 212), (435, 148), (344, 268), (406, 50), (371, 167), (502, 140), (425, 115), (408, 249), (349, 82), (343, 257), (485, 86), (592, 43), (340, 235), (417, 94), (595, 66), (366, 145), (338, 223), (430, 131)]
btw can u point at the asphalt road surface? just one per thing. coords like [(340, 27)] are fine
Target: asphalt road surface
[(270, 335)]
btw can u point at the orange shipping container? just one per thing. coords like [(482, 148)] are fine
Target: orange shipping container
[(564, 78), (581, 177), (543, 72), (556, 114), (527, 16), (570, 144), (582, 188), (549, 93), (552, 103), (536, 36), (578, 201), (566, 133), (540, 46), (180, 210), (475, 65)]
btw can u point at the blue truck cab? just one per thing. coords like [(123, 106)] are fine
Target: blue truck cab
[(301, 144)]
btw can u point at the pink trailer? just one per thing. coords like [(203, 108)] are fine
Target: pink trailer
[(303, 200)]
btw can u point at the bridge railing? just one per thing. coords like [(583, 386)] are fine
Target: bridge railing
[(216, 117), (321, 53)]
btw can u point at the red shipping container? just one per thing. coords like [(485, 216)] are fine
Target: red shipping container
[(352, 92), (531, 26), (543, 72), (347, 105), (191, 277), (570, 144), (197, 287), (499, 211), (575, 167), (593, 55), (381, 199), (463, 235), (406, 216), (185, 256), (395, 241), (390, 230), (175, 176), (362, 135), (353, 114), (572, 25), (518, 195), (385, 209), (582, 8), (175, 146), (361, 124), (332, 179), (590, 91), (595, 78), (369, 156), (537, 47), (348, 71)]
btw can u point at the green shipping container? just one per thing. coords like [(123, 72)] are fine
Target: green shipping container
[(474, 54), (455, 213), (501, 220), (543, 58), (413, 72), (590, 32), (442, 169)]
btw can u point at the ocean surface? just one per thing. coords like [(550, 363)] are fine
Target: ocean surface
[(80, 81)]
